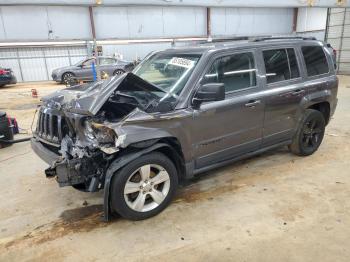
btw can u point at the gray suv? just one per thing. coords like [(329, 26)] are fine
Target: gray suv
[(82, 71), (184, 111)]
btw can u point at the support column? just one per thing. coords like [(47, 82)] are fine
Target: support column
[(208, 23), (92, 23)]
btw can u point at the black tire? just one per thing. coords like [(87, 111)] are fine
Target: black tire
[(118, 72), (68, 77), (119, 203), (310, 133)]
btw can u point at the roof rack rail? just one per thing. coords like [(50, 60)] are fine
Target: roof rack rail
[(283, 38), (226, 39)]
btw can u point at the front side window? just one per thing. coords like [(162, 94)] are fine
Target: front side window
[(315, 60), (280, 65), (88, 62), (234, 71)]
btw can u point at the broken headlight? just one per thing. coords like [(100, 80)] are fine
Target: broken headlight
[(88, 131), (99, 132)]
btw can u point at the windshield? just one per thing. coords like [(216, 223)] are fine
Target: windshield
[(169, 72)]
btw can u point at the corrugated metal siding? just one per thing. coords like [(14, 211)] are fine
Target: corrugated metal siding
[(37, 23), (44, 22), (338, 35), (140, 50), (133, 51), (72, 22), (148, 22), (37, 63), (251, 21)]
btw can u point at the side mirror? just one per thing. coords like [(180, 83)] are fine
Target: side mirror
[(209, 92)]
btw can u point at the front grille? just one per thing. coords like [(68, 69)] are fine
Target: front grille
[(50, 127)]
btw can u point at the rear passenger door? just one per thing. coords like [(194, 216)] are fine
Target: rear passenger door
[(284, 92), (222, 130)]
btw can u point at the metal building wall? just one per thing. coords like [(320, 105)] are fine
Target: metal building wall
[(36, 63), (175, 22), (149, 22), (338, 35), (26, 23), (251, 21), (312, 22), (40, 23)]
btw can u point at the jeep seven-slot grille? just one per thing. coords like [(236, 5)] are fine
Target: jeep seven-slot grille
[(51, 127)]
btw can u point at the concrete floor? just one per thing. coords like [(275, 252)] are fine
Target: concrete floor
[(274, 207)]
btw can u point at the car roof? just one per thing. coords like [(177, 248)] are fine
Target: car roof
[(200, 48)]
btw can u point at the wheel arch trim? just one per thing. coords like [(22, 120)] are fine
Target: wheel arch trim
[(118, 164)]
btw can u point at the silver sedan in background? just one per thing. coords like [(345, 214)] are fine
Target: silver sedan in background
[(83, 71)]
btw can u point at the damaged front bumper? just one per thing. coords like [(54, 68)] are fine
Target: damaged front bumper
[(45, 154), (86, 173), (81, 173)]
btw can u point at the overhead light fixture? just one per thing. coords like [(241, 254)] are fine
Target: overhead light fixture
[(98, 2)]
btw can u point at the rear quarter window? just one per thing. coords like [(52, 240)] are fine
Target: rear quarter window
[(315, 60)]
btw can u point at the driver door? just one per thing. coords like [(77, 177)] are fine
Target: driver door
[(223, 130), (85, 72)]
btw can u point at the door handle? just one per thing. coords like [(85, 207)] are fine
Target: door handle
[(252, 103), (298, 92)]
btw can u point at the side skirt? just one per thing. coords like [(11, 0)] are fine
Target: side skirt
[(250, 154)]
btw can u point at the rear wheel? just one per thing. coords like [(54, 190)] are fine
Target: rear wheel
[(118, 72), (310, 133), (144, 187)]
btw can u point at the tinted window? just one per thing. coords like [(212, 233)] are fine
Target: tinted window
[(280, 65), (315, 60), (293, 63), (235, 71)]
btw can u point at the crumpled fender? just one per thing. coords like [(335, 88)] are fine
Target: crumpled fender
[(115, 166)]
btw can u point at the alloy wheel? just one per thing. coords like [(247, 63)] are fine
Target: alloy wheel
[(68, 77), (146, 188), (312, 133), (118, 72)]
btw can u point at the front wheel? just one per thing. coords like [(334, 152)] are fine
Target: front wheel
[(310, 133), (144, 187), (68, 78)]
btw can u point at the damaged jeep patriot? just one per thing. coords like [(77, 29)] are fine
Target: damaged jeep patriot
[(183, 111)]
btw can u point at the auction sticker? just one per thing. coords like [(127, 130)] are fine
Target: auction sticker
[(178, 61)]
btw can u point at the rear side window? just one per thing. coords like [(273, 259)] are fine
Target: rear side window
[(280, 65), (315, 60), (234, 71)]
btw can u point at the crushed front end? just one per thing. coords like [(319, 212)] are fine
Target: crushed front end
[(76, 129), (77, 149)]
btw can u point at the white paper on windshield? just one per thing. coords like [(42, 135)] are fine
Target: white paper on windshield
[(178, 61)]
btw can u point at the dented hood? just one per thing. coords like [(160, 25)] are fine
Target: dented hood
[(89, 98)]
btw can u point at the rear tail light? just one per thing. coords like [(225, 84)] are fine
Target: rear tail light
[(335, 52), (5, 71)]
